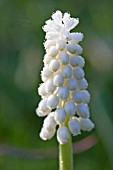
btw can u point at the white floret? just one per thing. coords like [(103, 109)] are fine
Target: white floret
[(67, 35), (78, 73), (53, 51), (42, 113), (70, 108), (49, 43), (50, 88), (52, 101), (83, 110), (85, 96), (57, 17), (51, 35), (69, 22), (74, 49), (76, 37), (82, 84), (42, 89), (58, 80), (60, 115), (74, 126), (46, 73), (47, 59), (45, 134), (61, 44), (74, 61), (54, 65), (49, 123), (43, 105), (67, 71), (64, 58), (81, 61), (72, 84), (77, 96), (86, 124), (62, 135), (63, 92)]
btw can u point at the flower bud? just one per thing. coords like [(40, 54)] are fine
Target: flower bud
[(58, 80), (49, 43), (62, 135), (78, 73), (82, 84), (46, 73), (67, 71), (83, 110), (74, 126), (42, 90), (52, 101), (74, 61), (63, 92), (54, 65), (60, 115), (81, 61), (49, 123), (57, 17), (77, 37), (72, 84), (86, 124), (64, 58), (50, 88), (41, 113), (47, 59), (45, 134), (51, 35), (85, 96), (61, 44), (43, 105), (77, 96), (53, 51), (74, 48), (70, 108)]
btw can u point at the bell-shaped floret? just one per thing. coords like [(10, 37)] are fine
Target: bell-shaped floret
[(63, 92), (49, 122), (50, 87), (83, 110), (78, 73), (74, 126), (60, 115), (67, 71), (70, 108), (54, 65), (58, 80), (52, 101), (45, 134), (62, 135), (86, 124), (64, 58), (72, 84), (82, 84), (77, 96), (85, 96)]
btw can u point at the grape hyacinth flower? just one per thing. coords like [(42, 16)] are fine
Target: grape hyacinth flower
[(64, 89)]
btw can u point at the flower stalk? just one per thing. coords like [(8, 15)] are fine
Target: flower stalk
[(64, 89), (66, 156)]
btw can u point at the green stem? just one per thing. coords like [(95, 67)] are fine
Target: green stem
[(66, 153), (66, 156)]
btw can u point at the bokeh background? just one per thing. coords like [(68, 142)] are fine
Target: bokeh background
[(21, 55)]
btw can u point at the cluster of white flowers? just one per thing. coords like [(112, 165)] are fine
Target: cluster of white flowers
[(63, 91)]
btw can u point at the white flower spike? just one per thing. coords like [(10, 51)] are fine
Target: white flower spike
[(64, 86)]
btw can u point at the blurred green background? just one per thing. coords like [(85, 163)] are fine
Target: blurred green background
[(21, 55)]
